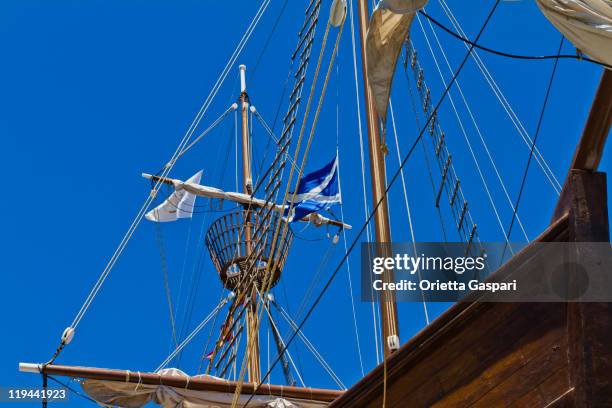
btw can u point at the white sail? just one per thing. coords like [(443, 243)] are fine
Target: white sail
[(180, 204), (130, 395), (586, 23), (389, 26)]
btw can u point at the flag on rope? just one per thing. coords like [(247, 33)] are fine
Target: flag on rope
[(179, 205), (316, 191)]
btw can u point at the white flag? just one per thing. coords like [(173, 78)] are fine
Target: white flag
[(180, 204)]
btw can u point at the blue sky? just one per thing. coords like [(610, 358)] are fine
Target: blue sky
[(94, 93)]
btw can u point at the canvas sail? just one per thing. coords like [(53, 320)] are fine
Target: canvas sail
[(389, 26), (180, 204), (586, 23), (130, 395)]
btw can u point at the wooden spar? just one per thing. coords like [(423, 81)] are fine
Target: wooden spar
[(253, 366), (241, 198), (591, 145), (388, 307), (191, 383)]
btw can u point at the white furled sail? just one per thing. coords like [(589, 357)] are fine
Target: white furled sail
[(586, 23), (337, 13), (130, 395), (389, 27), (179, 205)]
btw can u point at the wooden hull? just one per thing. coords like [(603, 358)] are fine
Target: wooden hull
[(480, 354)]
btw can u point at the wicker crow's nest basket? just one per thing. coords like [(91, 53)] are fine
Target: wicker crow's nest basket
[(231, 237)]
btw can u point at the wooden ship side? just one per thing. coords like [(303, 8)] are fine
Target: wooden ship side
[(480, 354)]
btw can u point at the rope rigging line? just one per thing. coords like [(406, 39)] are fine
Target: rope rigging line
[(195, 331), (184, 141), (414, 248), (310, 346), (473, 119), (450, 182), (216, 122), (535, 138), (71, 389), (271, 134), (579, 57), (197, 270), (282, 350), (520, 128), (164, 267), (266, 285), (425, 155), (377, 342), (391, 182), (348, 263), (463, 130)]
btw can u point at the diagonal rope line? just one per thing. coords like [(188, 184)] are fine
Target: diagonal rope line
[(533, 145), (405, 191), (310, 346), (579, 57), (465, 135), (363, 178), (96, 288), (280, 339), (473, 119), (195, 331), (504, 102), (391, 182)]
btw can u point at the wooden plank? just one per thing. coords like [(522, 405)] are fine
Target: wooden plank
[(509, 351), (446, 329), (546, 393), (592, 142), (463, 367), (549, 356), (589, 324), (590, 148)]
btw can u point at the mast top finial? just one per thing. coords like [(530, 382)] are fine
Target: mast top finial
[(242, 68)]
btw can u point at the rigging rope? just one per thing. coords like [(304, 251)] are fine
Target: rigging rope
[(348, 264), (267, 280), (470, 113), (535, 138), (391, 182), (282, 350), (425, 155), (266, 285), (195, 331), (399, 159), (310, 346), (579, 57), (450, 182), (184, 141), (464, 132), (377, 342), (164, 267), (554, 182)]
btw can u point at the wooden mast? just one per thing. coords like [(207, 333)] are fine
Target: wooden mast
[(254, 369), (191, 383), (388, 307)]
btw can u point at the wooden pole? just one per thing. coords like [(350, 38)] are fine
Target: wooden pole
[(593, 140), (191, 383), (388, 306), (254, 368)]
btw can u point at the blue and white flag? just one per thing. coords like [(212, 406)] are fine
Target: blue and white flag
[(316, 191)]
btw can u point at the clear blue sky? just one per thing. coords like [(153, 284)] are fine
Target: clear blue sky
[(94, 93)]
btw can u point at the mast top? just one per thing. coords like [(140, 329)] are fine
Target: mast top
[(242, 68)]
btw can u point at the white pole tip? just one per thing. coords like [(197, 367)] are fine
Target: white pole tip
[(29, 368)]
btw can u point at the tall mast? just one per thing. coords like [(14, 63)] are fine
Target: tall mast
[(254, 369), (388, 306)]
